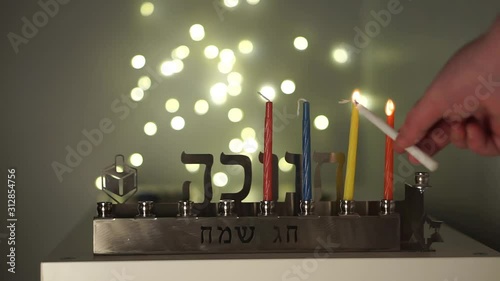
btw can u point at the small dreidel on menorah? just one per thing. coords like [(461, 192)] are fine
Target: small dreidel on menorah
[(119, 181)]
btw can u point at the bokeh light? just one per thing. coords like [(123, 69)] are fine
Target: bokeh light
[(300, 43), (180, 52), (211, 52), (218, 93), (245, 47), (253, 2), (98, 183), (231, 3), (321, 122), (119, 168), (247, 133), (147, 9), (227, 55), (234, 89), (225, 67), (144, 83), (138, 61), (177, 123), (137, 94), (284, 166), (268, 92), (136, 159), (167, 68), (235, 78), (172, 105), (201, 107), (250, 145), (340, 55), (235, 115), (197, 32), (236, 145), (178, 65), (220, 179), (288, 87), (192, 168), (150, 129)]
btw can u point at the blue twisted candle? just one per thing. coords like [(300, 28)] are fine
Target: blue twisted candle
[(306, 153)]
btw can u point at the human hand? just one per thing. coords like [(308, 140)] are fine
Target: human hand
[(462, 105)]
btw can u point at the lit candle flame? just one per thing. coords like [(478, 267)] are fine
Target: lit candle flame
[(389, 107), (356, 96)]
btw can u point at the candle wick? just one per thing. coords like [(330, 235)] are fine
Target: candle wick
[(264, 96), (298, 105)]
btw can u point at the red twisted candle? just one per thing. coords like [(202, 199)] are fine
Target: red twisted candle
[(389, 154), (268, 153)]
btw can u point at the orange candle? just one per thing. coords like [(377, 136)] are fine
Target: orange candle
[(389, 154)]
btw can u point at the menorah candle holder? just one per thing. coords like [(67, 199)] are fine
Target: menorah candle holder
[(306, 207), (104, 210), (145, 209), (347, 208), (185, 208), (226, 208), (266, 208), (387, 207)]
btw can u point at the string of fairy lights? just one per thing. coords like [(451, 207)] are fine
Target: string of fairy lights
[(246, 143)]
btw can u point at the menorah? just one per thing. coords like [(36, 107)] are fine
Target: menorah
[(233, 226)]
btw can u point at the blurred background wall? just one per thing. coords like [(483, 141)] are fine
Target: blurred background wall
[(68, 70)]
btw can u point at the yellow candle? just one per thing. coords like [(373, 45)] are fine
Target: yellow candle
[(351, 153)]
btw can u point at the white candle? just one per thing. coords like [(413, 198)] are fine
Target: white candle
[(421, 156)]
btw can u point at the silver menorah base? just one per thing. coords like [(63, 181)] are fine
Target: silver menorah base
[(245, 234), (231, 226)]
